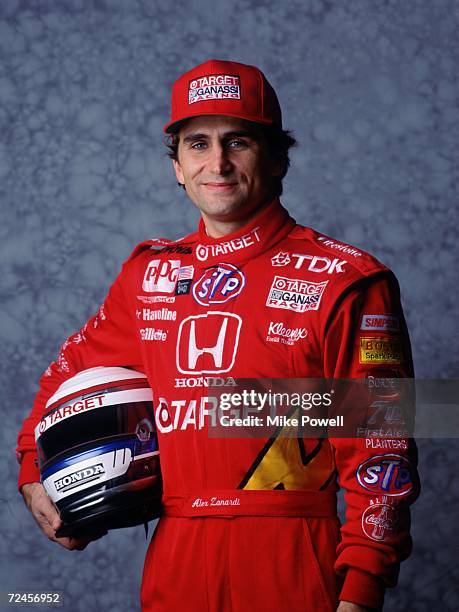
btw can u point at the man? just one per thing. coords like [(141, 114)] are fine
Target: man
[(249, 523)]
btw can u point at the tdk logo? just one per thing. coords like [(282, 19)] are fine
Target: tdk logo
[(80, 477), (319, 264)]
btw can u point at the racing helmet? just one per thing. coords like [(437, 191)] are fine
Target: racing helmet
[(98, 451)]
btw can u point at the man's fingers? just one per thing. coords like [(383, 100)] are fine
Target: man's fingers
[(47, 516)]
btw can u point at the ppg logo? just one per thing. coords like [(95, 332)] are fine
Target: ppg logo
[(161, 276), (218, 284)]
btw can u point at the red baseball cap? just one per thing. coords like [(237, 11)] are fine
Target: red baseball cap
[(224, 88)]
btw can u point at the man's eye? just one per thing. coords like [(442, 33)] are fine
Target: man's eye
[(236, 144), (198, 145)]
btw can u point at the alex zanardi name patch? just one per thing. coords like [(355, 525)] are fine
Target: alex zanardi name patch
[(214, 87), (380, 350)]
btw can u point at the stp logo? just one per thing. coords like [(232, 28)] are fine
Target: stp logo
[(389, 474), (218, 284), (161, 276), (207, 344)]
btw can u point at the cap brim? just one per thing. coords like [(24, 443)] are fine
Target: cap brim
[(174, 126)]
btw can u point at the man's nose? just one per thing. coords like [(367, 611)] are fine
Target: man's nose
[(219, 162)]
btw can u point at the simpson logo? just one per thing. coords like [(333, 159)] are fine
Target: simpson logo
[(218, 285), (75, 479), (278, 332), (380, 350), (161, 276), (150, 333), (379, 521), (339, 246), (204, 251), (281, 259), (388, 474), (295, 294), (207, 344), (214, 87), (380, 322), (319, 264)]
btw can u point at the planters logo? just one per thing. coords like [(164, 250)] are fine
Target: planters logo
[(218, 284), (388, 474)]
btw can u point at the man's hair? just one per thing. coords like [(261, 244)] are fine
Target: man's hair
[(278, 141)]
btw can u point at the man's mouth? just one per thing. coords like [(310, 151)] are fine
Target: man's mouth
[(214, 186)]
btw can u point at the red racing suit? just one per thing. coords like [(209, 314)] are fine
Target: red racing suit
[(251, 523)]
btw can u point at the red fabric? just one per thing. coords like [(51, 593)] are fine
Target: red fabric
[(259, 562)]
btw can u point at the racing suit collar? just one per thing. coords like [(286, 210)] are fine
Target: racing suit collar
[(262, 233)]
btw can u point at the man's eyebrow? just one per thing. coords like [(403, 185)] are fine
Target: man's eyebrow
[(193, 137), (226, 135)]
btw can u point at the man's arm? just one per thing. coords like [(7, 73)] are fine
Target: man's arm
[(107, 339), (368, 555)]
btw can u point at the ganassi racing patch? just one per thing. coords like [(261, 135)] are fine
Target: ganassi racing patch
[(295, 294), (380, 350), (214, 87)]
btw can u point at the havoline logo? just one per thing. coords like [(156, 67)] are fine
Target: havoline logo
[(75, 479)]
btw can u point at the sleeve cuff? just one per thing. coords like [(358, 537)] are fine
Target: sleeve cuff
[(28, 472), (363, 589)]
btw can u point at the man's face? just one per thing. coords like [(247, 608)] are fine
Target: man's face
[(226, 168)]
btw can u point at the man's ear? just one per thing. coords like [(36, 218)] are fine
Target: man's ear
[(277, 167), (178, 172)]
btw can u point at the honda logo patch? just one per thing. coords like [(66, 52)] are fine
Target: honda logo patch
[(207, 344)]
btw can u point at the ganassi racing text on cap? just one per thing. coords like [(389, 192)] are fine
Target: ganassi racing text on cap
[(214, 87)]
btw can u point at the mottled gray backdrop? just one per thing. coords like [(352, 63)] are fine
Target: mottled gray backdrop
[(369, 88)]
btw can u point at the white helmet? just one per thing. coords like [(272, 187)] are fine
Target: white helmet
[(98, 450)]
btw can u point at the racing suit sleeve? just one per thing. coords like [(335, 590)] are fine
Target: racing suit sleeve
[(367, 338), (107, 339)]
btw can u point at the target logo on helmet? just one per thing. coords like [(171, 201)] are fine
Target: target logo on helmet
[(161, 276), (218, 284), (207, 344)]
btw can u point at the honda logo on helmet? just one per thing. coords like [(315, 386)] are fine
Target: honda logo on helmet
[(92, 472), (207, 344)]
